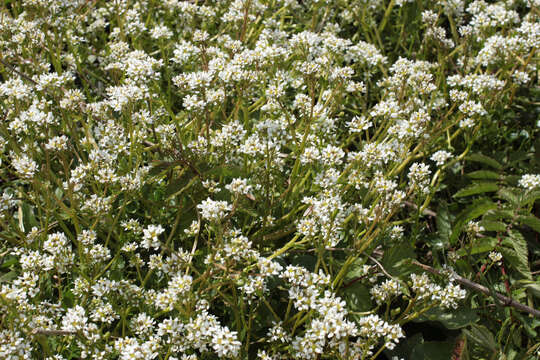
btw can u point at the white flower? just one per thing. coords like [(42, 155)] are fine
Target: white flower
[(75, 319), (474, 228), (225, 342), (15, 88), (120, 96), (419, 176), (142, 324), (495, 256), (239, 186), (200, 35), (529, 181), (440, 157), (359, 123), (151, 236), (161, 32), (57, 143), (385, 291), (24, 166), (55, 243), (214, 210)]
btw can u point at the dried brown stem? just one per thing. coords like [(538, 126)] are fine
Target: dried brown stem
[(52, 332), (480, 288)]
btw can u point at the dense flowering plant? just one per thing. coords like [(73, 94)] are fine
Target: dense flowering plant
[(238, 179)]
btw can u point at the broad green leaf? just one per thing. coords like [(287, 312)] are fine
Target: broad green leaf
[(405, 347), (228, 171), (531, 221), (517, 255), (8, 276), (479, 246), (516, 157), (477, 188), (496, 215), (490, 225), (28, 216), (483, 175), (484, 160), (482, 336), (451, 320), (529, 197), (393, 258), (357, 297), (305, 260), (510, 195), (159, 167), (444, 225), (417, 352), (433, 350), (517, 262), (529, 330), (179, 185), (519, 243), (10, 260), (533, 287), (477, 208), (355, 269), (438, 350)]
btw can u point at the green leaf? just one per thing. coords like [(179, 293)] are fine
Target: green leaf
[(510, 195), (10, 260), (405, 347), (517, 263), (28, 216), (482, 336), (496, 215), (305, 260), (451, 320), (477, 188), (179, 185), (477, 208), (8, 276), (433, 350), (484, 160), (529, 197), (533, 287), (438, 350), (225, 171), (490, 225), (481, 245), (357, 297), (518, 255), (59, 193), (355, 270), (526, 325), (519, 243), (159, 167), (483, 175), (531, 221), (393, 260), (444, 225)]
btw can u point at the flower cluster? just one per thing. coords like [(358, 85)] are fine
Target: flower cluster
[(187, 179), (529, 181)]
